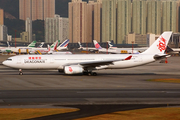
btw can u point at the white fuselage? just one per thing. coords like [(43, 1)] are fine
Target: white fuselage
[(123, 50), (130, 50), (62, 48), (88, 48), (60, 61), (21, 49), (41, 50), (3, 49)]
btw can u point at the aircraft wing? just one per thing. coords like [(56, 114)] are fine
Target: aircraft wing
[(99, 63)]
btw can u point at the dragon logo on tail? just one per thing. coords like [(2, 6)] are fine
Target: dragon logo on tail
[(162, 44)]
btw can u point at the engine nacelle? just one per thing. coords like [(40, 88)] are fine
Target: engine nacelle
[(73, 69)]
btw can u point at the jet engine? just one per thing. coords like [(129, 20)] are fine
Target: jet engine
[(73, 69)]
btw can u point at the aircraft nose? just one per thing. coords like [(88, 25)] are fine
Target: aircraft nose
[(4, 62)]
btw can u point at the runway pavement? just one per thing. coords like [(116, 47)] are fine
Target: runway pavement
[(109, 87)]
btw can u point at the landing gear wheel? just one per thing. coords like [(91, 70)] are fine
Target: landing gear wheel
[(94, 73), (89, 74), (20, 72)]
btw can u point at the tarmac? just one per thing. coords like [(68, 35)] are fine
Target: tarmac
[(128, 88)]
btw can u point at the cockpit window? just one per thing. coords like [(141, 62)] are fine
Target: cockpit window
[(9, 59)]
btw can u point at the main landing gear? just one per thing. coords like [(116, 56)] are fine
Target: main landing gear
[(90, 73), (20, 72)]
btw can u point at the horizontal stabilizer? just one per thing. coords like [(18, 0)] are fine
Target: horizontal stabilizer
[(158, 57)]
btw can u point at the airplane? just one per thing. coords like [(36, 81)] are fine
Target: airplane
[(53, 48), (127, 50), (86, 48), (23, 49), (63, 46), (87, 63), (114, 50), (50, 51), (16, 49), (44, 50), (5, 49)]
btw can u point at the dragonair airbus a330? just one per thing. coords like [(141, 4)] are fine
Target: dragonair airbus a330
[(86, 63)]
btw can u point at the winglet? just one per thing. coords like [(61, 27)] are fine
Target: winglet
[(128, 58)]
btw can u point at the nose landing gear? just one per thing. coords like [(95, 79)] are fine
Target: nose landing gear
[(20, 72)]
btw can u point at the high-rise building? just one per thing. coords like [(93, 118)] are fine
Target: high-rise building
[(56, 29), (97, 20), (154, 16), (28, 28), (77, 21), (139, 10), (49, 8), (169, 15), (85, 21), (123, 20), (178, 16), (25, 9), (3, 32), (109, 20), (36, 9), (90, 21), (1, 17)]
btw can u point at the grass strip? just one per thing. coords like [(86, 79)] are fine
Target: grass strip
[(169, 80), (140, 114), (23, 113)]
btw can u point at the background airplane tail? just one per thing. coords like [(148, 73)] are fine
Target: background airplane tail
[(32, 44), (55, 46), (52, 46), (96, 44), (159, 46), (40, 46), (65, 43), (8, 44), (110, 44), (80, 46)]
